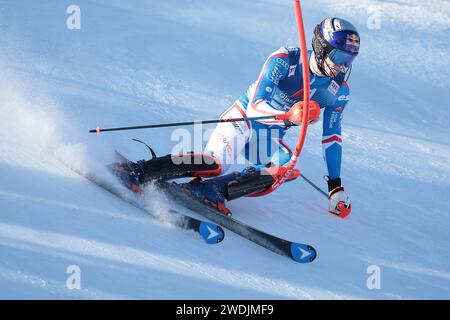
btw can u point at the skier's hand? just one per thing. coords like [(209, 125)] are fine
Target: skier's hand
[(295, 114), (339, 203)]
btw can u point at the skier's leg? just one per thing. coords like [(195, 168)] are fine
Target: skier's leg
[(228, 139), (226, 142), (252, 181), (266, 148), (224, 146)]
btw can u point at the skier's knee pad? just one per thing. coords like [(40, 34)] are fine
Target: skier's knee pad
[(178, 166), (251, 181), (256, 183)]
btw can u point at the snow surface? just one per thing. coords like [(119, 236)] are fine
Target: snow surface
[(137, 62)]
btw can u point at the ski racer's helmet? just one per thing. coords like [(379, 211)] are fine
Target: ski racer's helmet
[(336, 39)]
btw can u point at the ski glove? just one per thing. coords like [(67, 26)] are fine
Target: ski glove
[(295, 114), (339, 203)]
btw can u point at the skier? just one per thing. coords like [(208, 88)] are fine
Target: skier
[(277, 91)]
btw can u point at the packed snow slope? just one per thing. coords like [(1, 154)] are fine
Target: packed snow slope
[(139, 62)]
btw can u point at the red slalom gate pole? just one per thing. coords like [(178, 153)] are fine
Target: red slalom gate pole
[(306, 97)]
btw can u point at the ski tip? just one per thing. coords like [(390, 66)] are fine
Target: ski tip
[(302, 253), (211, 232)]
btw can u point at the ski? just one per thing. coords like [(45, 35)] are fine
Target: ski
[(298, 252), (210, 232)]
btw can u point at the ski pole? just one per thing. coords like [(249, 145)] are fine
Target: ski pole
[(176, 124), (314, 186)]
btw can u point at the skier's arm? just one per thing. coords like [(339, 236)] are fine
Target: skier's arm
[(332, 151), (275, 69), (331, 136)]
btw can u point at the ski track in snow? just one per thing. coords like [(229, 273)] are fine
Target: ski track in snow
[(146, 62)]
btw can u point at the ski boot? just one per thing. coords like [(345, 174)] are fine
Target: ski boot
[(212, 192), (129, 174)]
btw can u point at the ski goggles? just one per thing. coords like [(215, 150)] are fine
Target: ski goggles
[(340, 57), (341, 47)]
